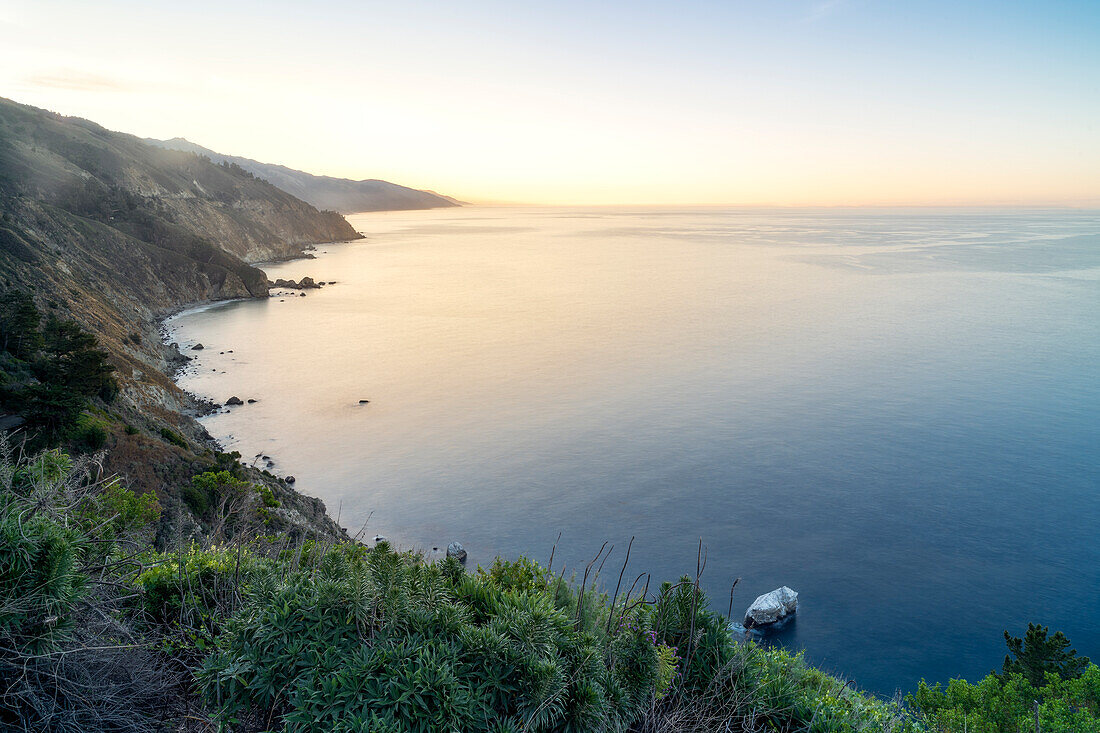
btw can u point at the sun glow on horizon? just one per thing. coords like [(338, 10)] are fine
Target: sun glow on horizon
[(796, 104)]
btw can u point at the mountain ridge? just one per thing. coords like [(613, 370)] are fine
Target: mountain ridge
[(344, 195)]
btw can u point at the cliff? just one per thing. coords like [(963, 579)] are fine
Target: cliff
[(113, 233)]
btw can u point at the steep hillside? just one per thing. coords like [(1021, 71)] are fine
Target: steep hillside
[(325, 192), (113, 233)]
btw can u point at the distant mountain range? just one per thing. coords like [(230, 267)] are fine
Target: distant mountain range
[(325, 192)]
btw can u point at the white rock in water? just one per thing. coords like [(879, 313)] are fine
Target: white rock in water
[(771, 607), (456, 551)]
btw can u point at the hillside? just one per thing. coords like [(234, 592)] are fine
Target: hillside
[(103, 229), (325, 192)]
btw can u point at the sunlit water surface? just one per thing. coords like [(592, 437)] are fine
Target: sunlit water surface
[(896, 413)]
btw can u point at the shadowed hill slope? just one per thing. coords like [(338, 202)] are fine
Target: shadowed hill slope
[(104, 229), (325, 192)]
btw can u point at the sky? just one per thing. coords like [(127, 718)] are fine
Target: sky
[(791, 103)]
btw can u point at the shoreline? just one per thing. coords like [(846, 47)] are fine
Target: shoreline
[(176, 361)]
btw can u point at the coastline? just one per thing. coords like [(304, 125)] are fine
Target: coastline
[(176, 362)]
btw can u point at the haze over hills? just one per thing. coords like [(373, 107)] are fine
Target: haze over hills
[(325, 192), (113, 233)]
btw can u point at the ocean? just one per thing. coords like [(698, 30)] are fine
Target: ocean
[(896, 412)]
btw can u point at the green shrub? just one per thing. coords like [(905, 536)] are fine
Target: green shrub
[(89, 433), (384, 641), (220, 499), (47, 468), (173, 437), (683, 621), (70, 660), (1008, 703), (40, 579), (267, 497), (229, 462), (191, 593), (115, 514)]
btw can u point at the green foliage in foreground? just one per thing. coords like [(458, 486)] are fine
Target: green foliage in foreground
[(1044, 685), (382, 641), (65, 539), (1008, 703), (98, 632), (57, 524)]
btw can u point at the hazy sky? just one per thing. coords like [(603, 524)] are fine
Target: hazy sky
[(801, 102)]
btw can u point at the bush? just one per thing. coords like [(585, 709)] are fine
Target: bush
[(40, 581), (89, 433), (117, 515), (1042, 682), (1009, 703), (191, 593), (173, 437), (66, 661), (384, 641)]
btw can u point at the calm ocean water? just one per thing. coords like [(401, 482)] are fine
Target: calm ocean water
[(896, 413)]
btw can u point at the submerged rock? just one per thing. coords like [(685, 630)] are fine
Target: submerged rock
[(771, 607), (456, 551), (197, 347), (364, 402), (234, 400), (289, 479)]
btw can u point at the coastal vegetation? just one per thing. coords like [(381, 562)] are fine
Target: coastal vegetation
[(49, 370), (249, 630)]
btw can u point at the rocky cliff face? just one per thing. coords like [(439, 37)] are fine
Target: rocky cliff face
[(115, 234)]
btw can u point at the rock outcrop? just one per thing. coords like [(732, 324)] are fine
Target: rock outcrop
[(304, 284), (456, 551), (771, 607)]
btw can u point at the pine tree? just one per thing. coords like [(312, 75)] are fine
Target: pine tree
[(1035, 655), (19, 319)]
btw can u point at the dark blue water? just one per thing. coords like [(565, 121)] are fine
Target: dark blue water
[(896, 413)]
